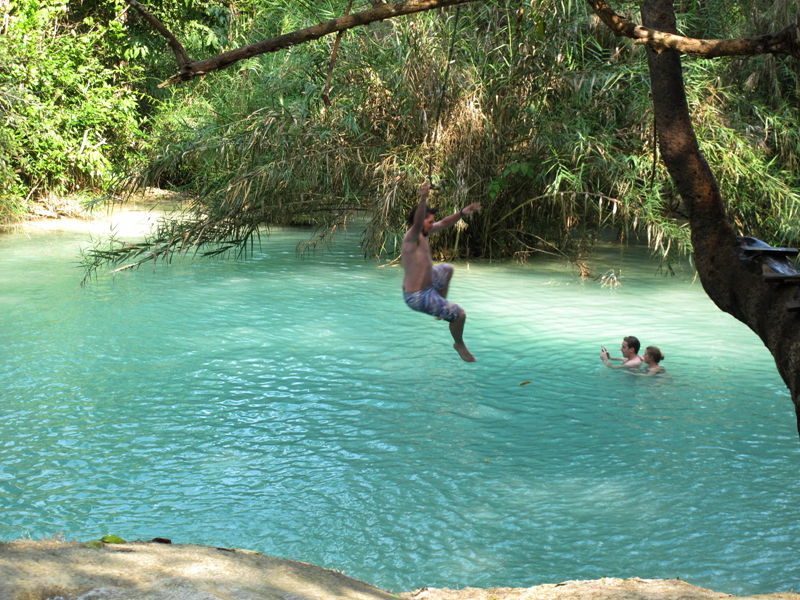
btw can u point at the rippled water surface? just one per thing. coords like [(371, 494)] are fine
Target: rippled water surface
[(295, 406)]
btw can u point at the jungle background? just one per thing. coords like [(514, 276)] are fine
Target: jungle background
[(545, 118)]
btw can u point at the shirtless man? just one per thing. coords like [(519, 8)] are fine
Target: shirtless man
[(630, 354), (425, 286)]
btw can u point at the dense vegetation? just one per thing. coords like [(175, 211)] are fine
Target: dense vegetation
[(69, 110), (546, 120)]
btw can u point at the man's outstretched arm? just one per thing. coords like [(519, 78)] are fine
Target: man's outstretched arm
[(451, 220)]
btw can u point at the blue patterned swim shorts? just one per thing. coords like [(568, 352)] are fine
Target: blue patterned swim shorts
[(430, 301)]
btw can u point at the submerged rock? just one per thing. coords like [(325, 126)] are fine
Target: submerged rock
[(53, 570)]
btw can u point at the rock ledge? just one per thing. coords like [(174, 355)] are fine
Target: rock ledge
[(54, 570)]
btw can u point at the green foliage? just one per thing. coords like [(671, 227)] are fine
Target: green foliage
[(546, 121), (77, 81), (69, 116), (106, 539)]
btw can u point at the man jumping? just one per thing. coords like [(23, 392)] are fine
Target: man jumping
[(425, 286)]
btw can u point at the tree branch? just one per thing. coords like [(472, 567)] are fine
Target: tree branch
[(177, 48), (786, 41), (332, 61), (379, 12)]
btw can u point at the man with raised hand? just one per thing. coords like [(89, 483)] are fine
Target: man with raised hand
[(630, 354), (425, 286)]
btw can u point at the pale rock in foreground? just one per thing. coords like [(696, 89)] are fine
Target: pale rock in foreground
[(52, 570)]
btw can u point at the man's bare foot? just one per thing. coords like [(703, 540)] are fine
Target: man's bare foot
[(465, 354)]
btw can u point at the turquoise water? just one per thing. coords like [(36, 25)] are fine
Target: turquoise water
[(296, 407)]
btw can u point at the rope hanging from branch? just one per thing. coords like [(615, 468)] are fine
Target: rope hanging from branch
[(332, 61), (442, 92)]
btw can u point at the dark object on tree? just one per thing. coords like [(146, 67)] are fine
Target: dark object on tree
[(775, 266), (773, 261), (782, 277), (756, 246)]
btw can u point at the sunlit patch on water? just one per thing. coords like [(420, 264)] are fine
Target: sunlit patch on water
[(295, 406)]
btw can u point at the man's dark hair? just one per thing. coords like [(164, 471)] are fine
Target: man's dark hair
[(633, 342), (410, 216)]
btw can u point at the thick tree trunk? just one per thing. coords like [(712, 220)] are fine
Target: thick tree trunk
[(733, 279)]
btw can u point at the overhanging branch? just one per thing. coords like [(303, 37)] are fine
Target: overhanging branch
[(380, 12), (786, 41), (177, 48)]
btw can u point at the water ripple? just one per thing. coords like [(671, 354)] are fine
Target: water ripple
[(296, 407)]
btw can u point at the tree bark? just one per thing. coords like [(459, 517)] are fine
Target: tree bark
[(732, 279), (786, 41)]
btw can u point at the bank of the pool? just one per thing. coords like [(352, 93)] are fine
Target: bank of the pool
[(46, 570)]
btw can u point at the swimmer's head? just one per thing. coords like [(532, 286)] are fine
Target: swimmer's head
[(632, 342), (654, 353)]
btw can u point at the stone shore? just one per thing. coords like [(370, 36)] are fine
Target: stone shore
[(56, 570)]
